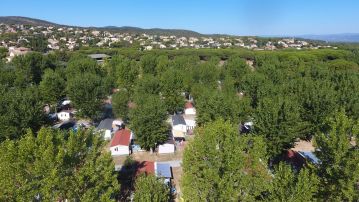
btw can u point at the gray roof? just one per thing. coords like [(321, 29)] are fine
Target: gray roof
[(105, 124), (163, 170), (178, 120), (98, 56)]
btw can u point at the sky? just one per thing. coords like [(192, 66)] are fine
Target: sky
[(235, 17)]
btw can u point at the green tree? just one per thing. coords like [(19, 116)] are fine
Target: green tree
[(339, 159), (171, 90), (148, 64), (79, 64), (147, 84), (215, 104), (346, 83), (257, 86), (149, 188), (319, 100), (39, 43), (237, 68), (148, 121), (52, 86), (278, 121), (125, 71), (120, 104), (220, 165), (86, 92), (163, 64), (23, 111), (55, 165), (29, 68), (3, 52), (292, 187)]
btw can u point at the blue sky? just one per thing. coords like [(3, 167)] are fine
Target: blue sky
[(238, 17)]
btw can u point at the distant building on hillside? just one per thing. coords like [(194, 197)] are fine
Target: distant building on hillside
[(100, 58), (14, 51)]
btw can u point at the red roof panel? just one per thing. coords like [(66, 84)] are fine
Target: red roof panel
[(147, 167), (121, 137), (188, 105)]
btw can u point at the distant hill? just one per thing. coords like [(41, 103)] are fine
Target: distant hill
[(25, 21), (124, 29), (152, 31), (347, 38)]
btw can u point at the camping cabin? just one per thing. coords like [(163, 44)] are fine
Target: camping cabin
[(167, 147), (121, 141)]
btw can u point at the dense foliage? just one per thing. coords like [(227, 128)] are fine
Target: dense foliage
[(288, 95), (56, 166), (221, 166), (149, 188)]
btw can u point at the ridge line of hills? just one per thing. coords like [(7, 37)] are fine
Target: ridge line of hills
[(127, 29), (344, 37)]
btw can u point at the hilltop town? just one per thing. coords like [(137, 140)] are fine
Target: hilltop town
[(20, 39)]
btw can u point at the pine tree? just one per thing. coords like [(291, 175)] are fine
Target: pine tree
[(339, 159), (292, 187)]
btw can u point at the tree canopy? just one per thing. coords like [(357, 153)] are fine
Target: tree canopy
[(147, 120), (55, 165), (149, 188)]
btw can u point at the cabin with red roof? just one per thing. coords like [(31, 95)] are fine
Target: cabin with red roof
[(121, 142)]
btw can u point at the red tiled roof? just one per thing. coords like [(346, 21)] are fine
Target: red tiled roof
[(188, 105), (121, 137), (147, 167)]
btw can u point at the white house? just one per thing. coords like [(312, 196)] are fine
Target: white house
[(179, 127), (120, 144), (64, 115), (189, 109), (14, 51), (178, 123), (168, 147)]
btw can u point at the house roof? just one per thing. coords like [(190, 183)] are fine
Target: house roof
[(155, 168), (105, 124), (310, 156), (188, 105), (147, 167), (121, 137), (65, 111), (178, 120), (163, 170), (98, 56)]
